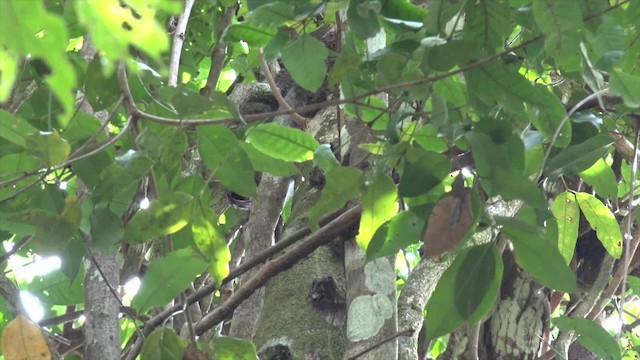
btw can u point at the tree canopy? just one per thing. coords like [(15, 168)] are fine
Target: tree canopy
[(448, 153)]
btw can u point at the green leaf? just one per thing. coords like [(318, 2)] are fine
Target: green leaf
[(342, 185), (107, 230), (466, 291), (486, 24), (561, 23), (49, 147), (423, 173), (282, 142), (120, 175), (590, 335), (212, 243), (494, 83), (427, 137), (254, 36), (271, 14), (634, 284), (265, 163), (101, 91), (163, 344), (538, 256), (165, 216), (54, 288), (401, 231), (603, 222), (601, 177), (166, 277), (114, 28), (379, 204), (577, 158), (512, 186), (305, 59), (363, 19), (567, 214), (14, 128), (325, 158), (222, 154), (42, 35), (231, 348), (627, 86)]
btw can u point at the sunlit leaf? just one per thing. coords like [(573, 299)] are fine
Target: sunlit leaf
[(165, 216), (379, 204), (282, 142), (602, 178), (342, 185), (603, 222), (225, 347), (212, 243), (567, 214)]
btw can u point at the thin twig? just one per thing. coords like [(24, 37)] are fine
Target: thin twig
[(219, 53), (16, 247), (178, 40), (405, 332), (300, 121)]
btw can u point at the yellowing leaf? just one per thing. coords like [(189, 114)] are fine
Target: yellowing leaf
[(567, 214), (23, 339), (603, 222)]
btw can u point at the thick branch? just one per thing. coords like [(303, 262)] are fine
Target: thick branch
[(178, 40)]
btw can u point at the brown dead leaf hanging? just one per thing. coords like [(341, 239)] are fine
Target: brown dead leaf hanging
[(449, 221)]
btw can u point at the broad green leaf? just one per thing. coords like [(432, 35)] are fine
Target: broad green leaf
[(379, 204), (486, 154), (254, 36), (561, 23), (166, 277), (567, 214), (305, 59), (55, 288), (634, 284), (486, 24), (590, 335), (401, 231), (577, 158), (119, 175), (212, 243), (282, 142), (106, 230), (405, 10), (423, 173), (440, 12), (512, 186), (466, 291), (49, 147), (9, 69), (603, 222), (165, 216), (494, 83), (427, 137), (41, 35), (342, 185), (601, 177), (163, 344), (325, 158), (14, 128), (627, 86), (265, 163), (222, 154), (101, 91), (114, 28), (225, 347), (538, 256), (271, 14), (363, 18)]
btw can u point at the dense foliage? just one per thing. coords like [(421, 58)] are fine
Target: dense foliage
[(468, 103)]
